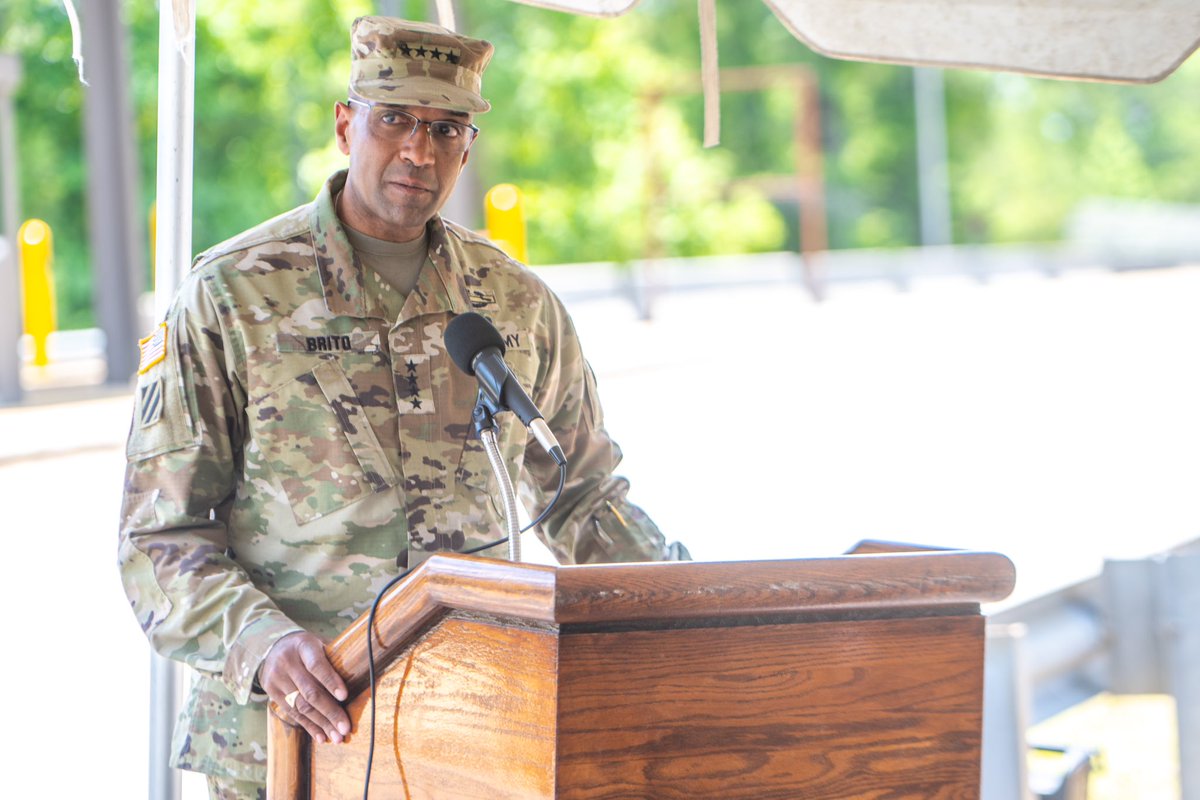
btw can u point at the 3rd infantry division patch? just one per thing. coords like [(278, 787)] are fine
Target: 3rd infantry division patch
[(150, 403)]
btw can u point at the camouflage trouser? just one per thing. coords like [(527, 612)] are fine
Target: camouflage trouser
[(229, 789)]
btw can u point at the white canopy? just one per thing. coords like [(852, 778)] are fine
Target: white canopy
[(1117, 40)]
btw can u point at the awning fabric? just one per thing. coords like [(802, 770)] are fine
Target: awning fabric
[(1113, 40), (1105, 40)]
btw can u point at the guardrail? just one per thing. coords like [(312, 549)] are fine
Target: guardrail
[(1132, 629)]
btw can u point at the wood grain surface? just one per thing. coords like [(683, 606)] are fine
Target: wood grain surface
[(688, 590), (438, 586), (287, 760), (854, 676), (466, 713), (624, 592), (870, 709)]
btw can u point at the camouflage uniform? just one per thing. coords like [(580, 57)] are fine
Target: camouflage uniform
[(300, 435)]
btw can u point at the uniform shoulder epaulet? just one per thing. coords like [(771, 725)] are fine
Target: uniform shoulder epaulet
[(284, 226), (469, 237)]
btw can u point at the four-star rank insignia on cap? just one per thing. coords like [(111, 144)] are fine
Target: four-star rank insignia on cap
[(448, 54), (153, 349)]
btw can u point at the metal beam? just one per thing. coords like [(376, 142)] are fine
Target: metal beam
[(1180, 635), (10, 274), (465, 204), (1006, 711), (114, 219), (933, 179), (1131, 607), (176, 116), (172, 255)]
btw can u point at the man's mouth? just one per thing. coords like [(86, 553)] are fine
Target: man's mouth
[(411, 185)]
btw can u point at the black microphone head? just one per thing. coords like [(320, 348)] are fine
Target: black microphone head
[(468, 334)]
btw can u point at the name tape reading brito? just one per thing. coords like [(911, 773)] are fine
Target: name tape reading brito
[(358, 342)]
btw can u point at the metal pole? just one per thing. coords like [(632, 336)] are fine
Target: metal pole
[(465, 203), (176, 113), (1131, 610), (810, 177), (114, 219), (933, 183), (1180, 631), (1006, 703), (176, 99), (10, 274)]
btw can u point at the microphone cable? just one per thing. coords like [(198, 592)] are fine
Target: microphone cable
[(562, 480)]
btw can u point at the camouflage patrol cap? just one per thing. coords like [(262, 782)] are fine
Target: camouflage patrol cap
[(415, 63)]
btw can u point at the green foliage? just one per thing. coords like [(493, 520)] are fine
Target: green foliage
[(608, 174), (266, 83), (593, 121), (51, 171), (1026, 151)]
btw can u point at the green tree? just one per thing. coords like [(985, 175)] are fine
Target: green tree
[(608, 174), (1026, 151), (50, 164)]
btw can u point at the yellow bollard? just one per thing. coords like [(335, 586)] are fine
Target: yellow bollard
[(152, 220), (35, 242), (504, 215)]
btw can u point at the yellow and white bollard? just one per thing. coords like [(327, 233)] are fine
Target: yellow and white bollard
[(152, 229), (504, 216), (35, 245)]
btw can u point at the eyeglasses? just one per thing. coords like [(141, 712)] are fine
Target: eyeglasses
[(392, 124)]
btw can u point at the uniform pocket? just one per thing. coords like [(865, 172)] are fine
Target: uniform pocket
[(316, 439)]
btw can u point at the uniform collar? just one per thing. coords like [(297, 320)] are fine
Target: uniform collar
[(441, 285)]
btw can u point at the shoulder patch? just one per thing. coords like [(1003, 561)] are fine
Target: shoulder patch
[(153, 349), (150, 402)]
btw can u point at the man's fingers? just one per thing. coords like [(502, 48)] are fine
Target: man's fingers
[(320, 706), (296, 718), (314, 715), (297, 662), (318, 665)]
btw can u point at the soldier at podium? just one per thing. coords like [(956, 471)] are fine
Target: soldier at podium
[(300, 435)]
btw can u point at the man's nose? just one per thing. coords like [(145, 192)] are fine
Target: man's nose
[(417, 149)]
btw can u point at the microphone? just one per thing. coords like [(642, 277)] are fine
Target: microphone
[(477, 348)]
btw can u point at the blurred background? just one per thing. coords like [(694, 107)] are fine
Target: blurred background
[(947, 307)]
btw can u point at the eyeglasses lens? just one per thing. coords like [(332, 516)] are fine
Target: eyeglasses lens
[(446, 135)]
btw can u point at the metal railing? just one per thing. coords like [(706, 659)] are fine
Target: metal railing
[(1132, 629)]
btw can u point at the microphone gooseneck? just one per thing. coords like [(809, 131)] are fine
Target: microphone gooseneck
[(477, 348)]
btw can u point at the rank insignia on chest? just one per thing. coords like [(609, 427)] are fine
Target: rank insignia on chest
[(414, 394), (413, 385), (153, 349)]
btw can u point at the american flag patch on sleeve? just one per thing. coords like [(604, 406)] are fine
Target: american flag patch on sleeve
[(152, 349)]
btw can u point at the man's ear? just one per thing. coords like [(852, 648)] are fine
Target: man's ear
[(342, 117)]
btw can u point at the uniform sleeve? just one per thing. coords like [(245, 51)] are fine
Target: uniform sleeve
[(594, 521), (191, 598)]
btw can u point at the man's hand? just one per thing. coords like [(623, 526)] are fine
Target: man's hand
[(298, 662)]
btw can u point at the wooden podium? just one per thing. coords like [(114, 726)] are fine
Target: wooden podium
[(856, 676)]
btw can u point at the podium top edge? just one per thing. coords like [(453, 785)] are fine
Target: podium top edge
[(650, 590), (669, 593)]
